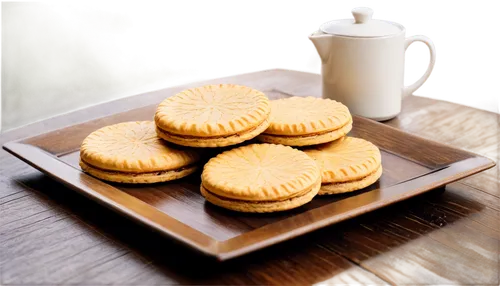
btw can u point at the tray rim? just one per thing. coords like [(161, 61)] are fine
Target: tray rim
[(49, 164)]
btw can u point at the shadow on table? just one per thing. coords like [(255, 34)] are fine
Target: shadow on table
[(311, 258)]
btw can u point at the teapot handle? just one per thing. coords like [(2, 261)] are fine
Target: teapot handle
[(408, 90)]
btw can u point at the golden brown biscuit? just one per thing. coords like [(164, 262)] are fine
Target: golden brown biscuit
[(347, 164), (132, 152), (307, 140), (339, 188), (303, 121), (213, 116), (260, 178), (138, 178)]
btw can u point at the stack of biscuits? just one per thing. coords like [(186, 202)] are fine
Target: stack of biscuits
[(276, 155)]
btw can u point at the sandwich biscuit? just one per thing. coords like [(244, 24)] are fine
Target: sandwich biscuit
[(131, 152), (347, 164), (213, 116), (260, 178), (304, 121)]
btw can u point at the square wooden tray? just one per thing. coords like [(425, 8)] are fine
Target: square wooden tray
[(412, 165)]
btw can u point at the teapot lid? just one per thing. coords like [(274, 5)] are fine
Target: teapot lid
[(362, 26)]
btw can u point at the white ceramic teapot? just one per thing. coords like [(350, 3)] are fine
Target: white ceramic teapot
[(363, 63)]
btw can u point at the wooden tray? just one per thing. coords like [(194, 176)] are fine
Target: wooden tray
[(412, 165)]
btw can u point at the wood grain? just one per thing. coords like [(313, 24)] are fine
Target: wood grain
[(178, 210), (76, 241)]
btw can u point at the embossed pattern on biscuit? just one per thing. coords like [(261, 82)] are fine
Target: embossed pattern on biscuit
[(345, 159), (306, 115), (213, 110), (133, 147), (259, 172)]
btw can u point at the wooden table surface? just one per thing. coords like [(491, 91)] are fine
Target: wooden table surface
[(52, 235)]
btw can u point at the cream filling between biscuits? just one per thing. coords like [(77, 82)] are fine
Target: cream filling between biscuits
[(309, 134), (297, 195), (155, 173), (237, 134), (360, 179)]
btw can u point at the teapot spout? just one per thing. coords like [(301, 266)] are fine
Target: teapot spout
[(322, 43)]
